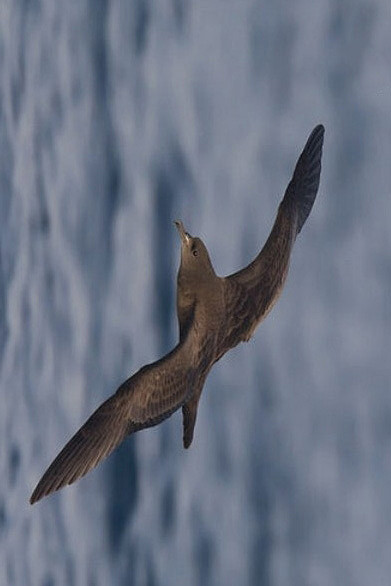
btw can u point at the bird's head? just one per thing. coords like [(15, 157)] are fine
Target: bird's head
[(195, 261)]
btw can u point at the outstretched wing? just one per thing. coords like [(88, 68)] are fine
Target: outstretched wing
[(251, 293), (144, 400)]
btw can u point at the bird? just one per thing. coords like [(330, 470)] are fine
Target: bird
[(214, 315)]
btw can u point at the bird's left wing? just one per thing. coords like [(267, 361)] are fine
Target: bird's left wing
[(252, 292), (147, 398)]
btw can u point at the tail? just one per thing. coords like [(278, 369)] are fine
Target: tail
[(189, 411), (304, 184)]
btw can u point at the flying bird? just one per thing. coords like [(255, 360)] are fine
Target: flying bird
[(214, 315)]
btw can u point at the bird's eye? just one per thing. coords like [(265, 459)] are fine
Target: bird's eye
[(195, 252)]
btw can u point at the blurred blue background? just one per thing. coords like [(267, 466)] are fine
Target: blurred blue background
[(115, 119)]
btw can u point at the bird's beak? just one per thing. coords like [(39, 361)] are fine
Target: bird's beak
[(185, 237)]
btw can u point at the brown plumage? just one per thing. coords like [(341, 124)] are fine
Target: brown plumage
[(214, 315)]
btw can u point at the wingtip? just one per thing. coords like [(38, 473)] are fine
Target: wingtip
[(35, 496), (319, 129), (304, 185), (33, 499), (316, 137)]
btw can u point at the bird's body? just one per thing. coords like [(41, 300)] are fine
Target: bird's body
[(214, 315)]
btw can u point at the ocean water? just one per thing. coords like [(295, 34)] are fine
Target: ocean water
[(115, 119)]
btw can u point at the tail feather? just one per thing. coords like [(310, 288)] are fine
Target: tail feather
[(189, 412)]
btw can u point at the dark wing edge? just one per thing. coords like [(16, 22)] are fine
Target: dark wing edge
[(95, 440), (151, 395), (252, 291), (294, 209), (304, 185)]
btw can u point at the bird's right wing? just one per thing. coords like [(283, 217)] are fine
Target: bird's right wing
[(147, 398), (251, 292)]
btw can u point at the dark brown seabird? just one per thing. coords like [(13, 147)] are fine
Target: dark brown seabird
[(214, 314)]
